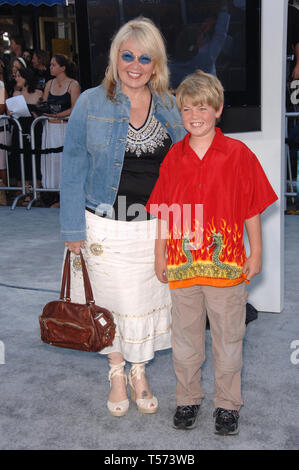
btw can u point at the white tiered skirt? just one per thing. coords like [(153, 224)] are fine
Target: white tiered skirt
[(120, 261), (53, 137)]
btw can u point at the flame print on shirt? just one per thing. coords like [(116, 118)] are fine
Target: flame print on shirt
[(214, 254)]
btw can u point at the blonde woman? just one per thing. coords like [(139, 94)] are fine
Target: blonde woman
[(117, 137)]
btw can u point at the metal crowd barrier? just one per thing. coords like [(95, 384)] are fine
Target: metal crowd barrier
[(34, 188), (21, 148)]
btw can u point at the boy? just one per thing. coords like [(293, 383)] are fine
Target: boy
[(206, 265)]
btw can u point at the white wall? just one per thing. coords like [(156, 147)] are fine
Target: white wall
[(267, 289)]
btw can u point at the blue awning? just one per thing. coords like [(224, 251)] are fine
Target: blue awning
[(35, 3)]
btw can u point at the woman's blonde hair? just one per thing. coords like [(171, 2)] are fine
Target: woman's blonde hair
[(200, 88), (150, 40)]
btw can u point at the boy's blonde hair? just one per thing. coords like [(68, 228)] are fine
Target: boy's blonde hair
[(150, 40), (200, 88)]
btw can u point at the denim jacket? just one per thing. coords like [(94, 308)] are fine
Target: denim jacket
[(93, 154)]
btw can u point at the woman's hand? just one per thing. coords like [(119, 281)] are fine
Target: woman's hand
[(161, 268), (75, 247), (160, 251)]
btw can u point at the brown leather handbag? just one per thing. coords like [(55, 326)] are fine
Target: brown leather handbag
[(66, 324)]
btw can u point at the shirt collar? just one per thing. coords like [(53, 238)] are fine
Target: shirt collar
[(219, 142), (118, 92)]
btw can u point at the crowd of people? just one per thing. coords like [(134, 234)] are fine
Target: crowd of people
[(50, 88)]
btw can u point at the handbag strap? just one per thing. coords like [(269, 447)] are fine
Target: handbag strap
[(87, 286), (66, 280), (66, 277)]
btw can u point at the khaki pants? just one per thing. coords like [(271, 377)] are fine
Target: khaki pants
[(226, 310)]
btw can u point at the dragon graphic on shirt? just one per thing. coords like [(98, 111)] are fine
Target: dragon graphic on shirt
[(187, 253), (231, 271), (216, 268)]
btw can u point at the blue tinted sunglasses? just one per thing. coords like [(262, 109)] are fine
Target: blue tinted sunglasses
[(128, 56)]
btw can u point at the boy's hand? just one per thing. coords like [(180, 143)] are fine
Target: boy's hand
[(252, 266), (161, 268)]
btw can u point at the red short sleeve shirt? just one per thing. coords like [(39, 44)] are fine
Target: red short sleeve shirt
[(206, 203)]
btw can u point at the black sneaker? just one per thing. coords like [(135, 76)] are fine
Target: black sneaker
[(226, 422), (186, 417)]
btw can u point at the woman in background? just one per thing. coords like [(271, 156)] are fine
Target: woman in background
[(16, 64), (61, 93), (26, 85)]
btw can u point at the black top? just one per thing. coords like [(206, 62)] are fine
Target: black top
[(59, 103), (145, 150)]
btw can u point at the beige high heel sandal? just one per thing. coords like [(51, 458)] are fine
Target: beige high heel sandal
[(144, 405), (119, 408)]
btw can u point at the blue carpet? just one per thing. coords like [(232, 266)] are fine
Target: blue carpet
[(53, 398)]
